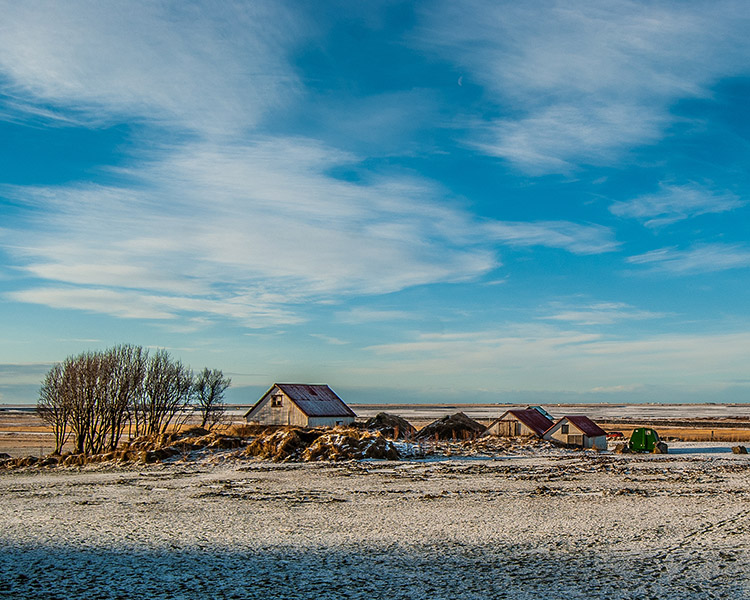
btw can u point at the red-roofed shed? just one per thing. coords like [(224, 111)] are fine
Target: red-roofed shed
[(527, 422), (577, 431), (302, 404)]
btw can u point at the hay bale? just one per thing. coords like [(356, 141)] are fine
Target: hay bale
[(223, 442), (298, 444), (350, 444), (391, 426), (739, 449), (282, 444), (453, 427), (193, 432)]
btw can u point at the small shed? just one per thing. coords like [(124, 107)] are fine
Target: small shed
[(527, 422), (577, 431), (301, 404)]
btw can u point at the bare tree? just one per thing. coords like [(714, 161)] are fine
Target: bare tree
[(95, 396), (126, 380), (209, 389), (53, 406), (167, 392)]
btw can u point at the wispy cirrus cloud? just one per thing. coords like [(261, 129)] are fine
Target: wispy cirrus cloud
[(583, 83), (328, 339), (359, 315), (574, 237), (706, 258), (250, 309), (236, 230), (206, 68), (600, 313), (675, 203)]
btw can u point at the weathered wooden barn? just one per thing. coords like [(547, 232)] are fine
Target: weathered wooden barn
[(300, 404), (577, 431), (527, 422)]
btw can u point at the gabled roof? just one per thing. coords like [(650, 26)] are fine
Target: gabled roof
[(539, 409), (312, 399), (586, 425), (533, 419)]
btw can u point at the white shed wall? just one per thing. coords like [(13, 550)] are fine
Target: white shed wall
[(286, 414)]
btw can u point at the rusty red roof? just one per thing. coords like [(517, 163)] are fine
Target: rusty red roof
[(315, 400), (586, 425), (533, 419)]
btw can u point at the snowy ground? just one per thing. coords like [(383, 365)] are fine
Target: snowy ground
[(566, 524)]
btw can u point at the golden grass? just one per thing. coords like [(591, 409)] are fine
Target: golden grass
[(22, 434), (689, 434)]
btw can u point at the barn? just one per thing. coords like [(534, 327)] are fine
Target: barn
[(527, 422), (301, 404), (577, 431)]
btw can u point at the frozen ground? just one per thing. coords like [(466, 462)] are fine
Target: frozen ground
[(562, 525)]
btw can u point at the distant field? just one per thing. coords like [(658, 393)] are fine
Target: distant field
[(22, 433)]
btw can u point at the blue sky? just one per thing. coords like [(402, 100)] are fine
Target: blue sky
[(412, 201)]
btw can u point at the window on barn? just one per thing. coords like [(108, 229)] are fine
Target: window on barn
[(565, 428), (276, 400)]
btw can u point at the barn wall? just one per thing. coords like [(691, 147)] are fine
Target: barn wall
[(286, 414), (502, 428), (599, 442), (508, 427), (329, 421), (557, 436)]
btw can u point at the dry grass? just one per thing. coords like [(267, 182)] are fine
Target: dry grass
[(22, 434), (689, 434)]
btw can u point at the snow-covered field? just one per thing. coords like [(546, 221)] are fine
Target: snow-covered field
[(561, 525)]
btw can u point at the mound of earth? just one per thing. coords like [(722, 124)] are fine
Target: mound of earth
[(298, 444), (391, 426), (286, 444), (144, 449), (350, 445), (453, 427)]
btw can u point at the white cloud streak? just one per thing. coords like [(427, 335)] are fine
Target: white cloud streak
[(705, 258), (602, 313), (573, 237), (582, 83), (676, 202), (207, 68), (262, 224), (221, 223)]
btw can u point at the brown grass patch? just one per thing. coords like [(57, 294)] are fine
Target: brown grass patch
[(688, 433)]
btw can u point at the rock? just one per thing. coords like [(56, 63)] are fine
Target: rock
[(4, 456), (739, 449)]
